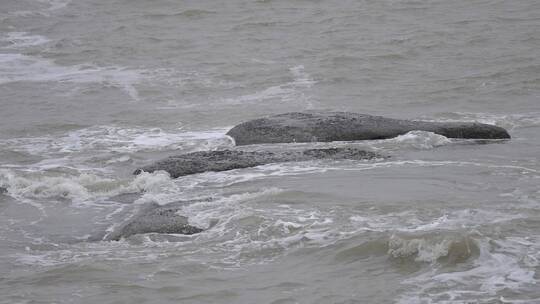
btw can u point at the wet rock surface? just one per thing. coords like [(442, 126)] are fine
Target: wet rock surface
[(155, 219), (346, 126), (198, 162)]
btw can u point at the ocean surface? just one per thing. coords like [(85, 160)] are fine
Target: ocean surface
[(92, 89)]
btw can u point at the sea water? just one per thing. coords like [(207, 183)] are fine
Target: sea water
[(90, 90)]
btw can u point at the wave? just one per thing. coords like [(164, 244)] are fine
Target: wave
[(435, 248), (499, 267), (119, 139), (17, 67), (260, 226), (69, 158), (432, 248), (57, 180), (42, 186), (420, 140), (80, 188), (17, 40)]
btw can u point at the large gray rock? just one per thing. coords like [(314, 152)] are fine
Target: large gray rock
[(198, 162), (345, 126), (155, 219)]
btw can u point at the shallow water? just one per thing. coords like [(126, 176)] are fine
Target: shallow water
[(91, 90)]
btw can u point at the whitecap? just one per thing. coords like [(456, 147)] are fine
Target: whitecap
[(150, 182), (120, 139), (38, 185), (430, 249), (421, 140), (498, 267), (81, 188)]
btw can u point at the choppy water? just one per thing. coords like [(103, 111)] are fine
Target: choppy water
[(90, 90)]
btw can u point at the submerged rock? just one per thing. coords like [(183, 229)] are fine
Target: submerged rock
[(198, 162), (155, 219), (346, 126), (126, 198)]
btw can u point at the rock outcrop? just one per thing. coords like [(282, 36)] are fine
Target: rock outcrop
[(346, 126), (198, 162), (155, 219), (283, 128)]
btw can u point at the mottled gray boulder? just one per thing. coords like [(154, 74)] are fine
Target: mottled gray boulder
[(3, 190), (155, 219), (345, 126), (198, 162)]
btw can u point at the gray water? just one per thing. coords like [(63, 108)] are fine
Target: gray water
[(91, 90)]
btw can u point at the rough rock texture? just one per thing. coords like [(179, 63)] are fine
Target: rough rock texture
[(155, 219), (345, 126), (198, 162)]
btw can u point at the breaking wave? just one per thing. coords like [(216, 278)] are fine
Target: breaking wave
[(120, 139), (421, 140)]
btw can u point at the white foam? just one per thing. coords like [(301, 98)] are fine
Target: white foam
[(422, 163), (422, 140), (290, 92), (197, 182), (15, 67), (149, 182), (498, 268), (247, 233), (42, 186), (281, 227), (81, 188), (18, 40), (55, 4), (301, 78), (18, 67), (451, 220), (121, 140), (423, 249), (243, 229)]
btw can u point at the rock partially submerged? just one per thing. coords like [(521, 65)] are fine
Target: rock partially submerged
[(155, 219), (346, 126), (198, 162), (126, 198)]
